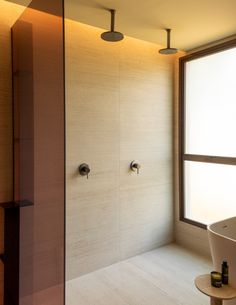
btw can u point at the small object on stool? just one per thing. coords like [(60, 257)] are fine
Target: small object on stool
[(216, 279), (225, 273)]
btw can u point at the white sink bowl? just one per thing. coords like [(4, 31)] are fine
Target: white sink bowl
[(222, 239)]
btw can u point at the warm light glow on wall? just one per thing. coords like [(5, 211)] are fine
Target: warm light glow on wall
[(9, 12), (95, 32)]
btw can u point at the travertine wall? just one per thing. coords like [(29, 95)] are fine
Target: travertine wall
[(119, 105)]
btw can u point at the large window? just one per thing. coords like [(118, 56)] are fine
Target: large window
[(208, 135)]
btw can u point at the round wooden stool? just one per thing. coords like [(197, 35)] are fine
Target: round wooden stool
[(217, 295)]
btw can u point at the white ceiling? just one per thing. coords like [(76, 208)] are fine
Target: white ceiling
[(193, 22)]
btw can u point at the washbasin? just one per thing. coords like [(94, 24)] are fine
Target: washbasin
[(222, 239)]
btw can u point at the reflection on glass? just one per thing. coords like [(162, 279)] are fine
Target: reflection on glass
[(38, 63)]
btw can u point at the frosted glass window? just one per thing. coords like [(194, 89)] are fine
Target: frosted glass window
[(210, 105), (210, 191)]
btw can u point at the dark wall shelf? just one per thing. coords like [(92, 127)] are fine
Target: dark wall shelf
[(16, 204)]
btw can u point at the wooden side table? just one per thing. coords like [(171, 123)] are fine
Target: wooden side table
[(217, 295)]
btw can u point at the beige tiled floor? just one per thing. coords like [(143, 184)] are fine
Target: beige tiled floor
[(164, 276)]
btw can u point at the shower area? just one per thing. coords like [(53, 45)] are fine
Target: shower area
[(94, 158), (118, 111), (119, 166)]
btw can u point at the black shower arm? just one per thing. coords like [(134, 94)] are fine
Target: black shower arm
[(113, 12), (168, 38)]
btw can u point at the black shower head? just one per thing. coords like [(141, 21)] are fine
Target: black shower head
[(168, 50), (112, 35)]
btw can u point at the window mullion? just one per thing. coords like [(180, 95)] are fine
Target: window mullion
[(209, 159)]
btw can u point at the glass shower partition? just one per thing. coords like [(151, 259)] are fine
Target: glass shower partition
[(34, 221)]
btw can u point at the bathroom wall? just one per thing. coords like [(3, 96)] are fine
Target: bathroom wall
[(119, 108), (9, 13)]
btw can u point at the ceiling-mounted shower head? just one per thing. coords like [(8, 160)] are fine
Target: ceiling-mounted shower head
[(168, 50), (112, 35)]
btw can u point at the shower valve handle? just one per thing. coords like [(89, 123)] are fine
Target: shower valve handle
[(135, 166), (84, 170)]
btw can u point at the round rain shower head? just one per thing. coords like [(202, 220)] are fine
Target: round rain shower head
[(112, 35), (168, 50)]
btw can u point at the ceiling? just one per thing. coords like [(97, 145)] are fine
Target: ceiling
[(193, 22), (20, 2)]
